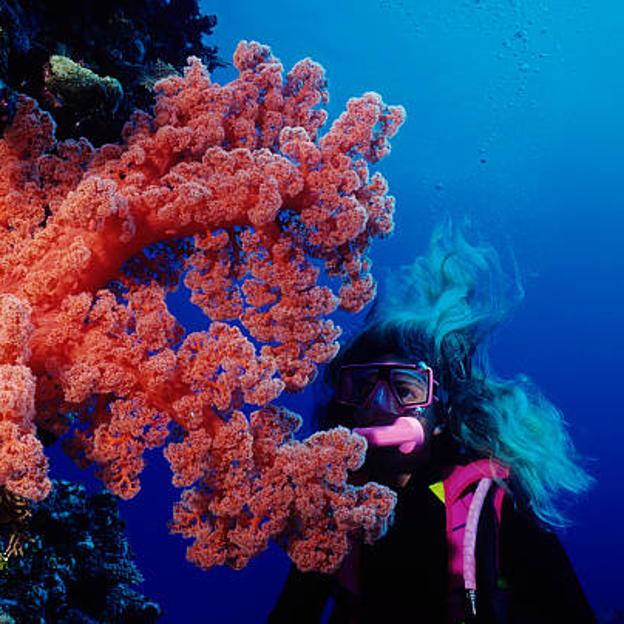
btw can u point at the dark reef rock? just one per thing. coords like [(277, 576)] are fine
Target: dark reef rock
[(76, 565), (92, 63)]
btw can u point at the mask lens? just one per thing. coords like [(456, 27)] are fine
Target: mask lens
[(356, 384), (411, 386)]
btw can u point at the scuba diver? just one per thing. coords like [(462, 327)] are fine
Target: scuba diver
[(479, 463)]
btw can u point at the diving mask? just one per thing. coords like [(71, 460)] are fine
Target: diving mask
[(411, 385)]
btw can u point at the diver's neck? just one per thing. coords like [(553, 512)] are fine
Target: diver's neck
[(402, 480), (423, 475)]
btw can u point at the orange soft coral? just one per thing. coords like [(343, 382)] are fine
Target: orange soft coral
[(232, 187), (257, 482)]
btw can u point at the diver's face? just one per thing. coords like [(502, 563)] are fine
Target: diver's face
[(381, 409)]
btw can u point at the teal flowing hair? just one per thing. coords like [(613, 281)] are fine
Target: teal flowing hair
[(445, 306)]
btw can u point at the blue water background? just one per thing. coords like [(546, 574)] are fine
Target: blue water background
[(514, 121)]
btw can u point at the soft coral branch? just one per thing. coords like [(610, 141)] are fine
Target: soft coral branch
[(91, 240)]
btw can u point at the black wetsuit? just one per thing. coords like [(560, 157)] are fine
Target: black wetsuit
[(404, 575)]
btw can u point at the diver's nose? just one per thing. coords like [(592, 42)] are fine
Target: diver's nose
[(381, 396), (381, 402)]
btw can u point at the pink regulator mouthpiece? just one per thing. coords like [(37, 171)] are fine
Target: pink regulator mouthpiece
[(405, 432)]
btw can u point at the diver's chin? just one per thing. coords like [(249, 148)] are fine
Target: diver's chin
[(386, 464)]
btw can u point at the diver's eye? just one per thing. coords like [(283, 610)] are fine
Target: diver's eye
[(411, 387), (357, 383), (409, 394), (365, 377), (405, 391)]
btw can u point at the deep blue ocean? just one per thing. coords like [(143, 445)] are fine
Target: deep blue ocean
[(515, 123)]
